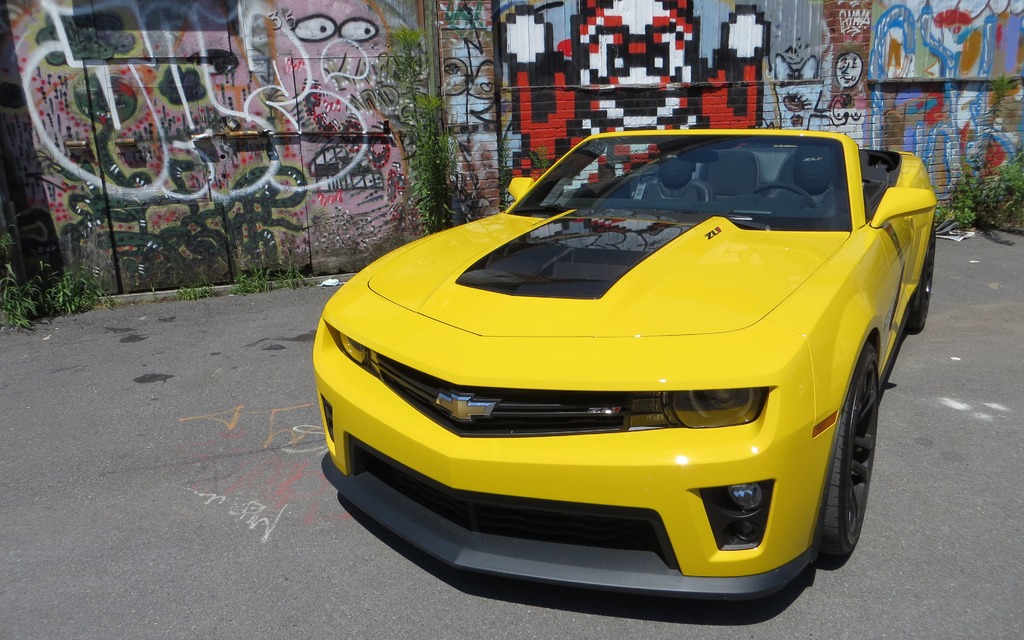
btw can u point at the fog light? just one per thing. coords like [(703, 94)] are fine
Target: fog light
[(738, 513), (746, 496), (745, 531)]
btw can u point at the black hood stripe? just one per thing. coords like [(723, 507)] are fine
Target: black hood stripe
[(574, 257)]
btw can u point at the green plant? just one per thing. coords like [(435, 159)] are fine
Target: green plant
[(290, 277), (20, 302), (196, 291), (1000, 89), (504, 170), (431, 148), (75, 291), (431, 165), (988, 195), (406, 62), (963, 201), (252, 281), (540, 160), (1002, 203)]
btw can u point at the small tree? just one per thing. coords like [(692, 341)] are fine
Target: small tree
[(431, 149)]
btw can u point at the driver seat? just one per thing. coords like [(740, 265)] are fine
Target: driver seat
[(675, 180), (814, 172)]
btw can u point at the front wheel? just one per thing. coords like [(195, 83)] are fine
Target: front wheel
[(853, 459)]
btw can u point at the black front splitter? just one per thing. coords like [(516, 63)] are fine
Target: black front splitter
[(550, 562)]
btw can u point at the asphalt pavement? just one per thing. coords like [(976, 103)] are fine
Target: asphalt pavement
[(160, 478)]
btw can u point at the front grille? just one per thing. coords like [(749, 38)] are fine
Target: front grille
[(546, 520), (515, 411)]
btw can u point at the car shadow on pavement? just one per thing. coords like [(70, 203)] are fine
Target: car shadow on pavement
[(587, 601)]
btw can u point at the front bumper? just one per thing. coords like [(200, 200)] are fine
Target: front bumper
[(549, 562), (662, 471)]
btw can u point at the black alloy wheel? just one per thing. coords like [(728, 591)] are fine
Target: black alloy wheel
[(853, 459)]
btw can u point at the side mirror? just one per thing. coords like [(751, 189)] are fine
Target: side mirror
[(903, 201), (519, 186)]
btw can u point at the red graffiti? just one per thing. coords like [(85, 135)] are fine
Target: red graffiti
[(324, 199)]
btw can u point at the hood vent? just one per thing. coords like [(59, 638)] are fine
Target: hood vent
[(576, 257)]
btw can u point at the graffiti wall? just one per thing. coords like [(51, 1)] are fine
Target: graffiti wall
[(161, 143), (837, 99), (932, 64), (570, 69), (946, 39), (913, 75), (468, 86)]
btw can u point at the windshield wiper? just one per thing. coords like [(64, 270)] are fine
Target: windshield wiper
[(542, 210)]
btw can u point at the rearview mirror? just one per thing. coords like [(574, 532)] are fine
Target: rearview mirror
[(903, 201), (518, 187)]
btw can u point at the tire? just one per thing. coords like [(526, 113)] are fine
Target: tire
[(917, 311), (852, 459)]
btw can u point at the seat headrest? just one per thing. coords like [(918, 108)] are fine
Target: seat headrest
[(813, 169), (676, 173)]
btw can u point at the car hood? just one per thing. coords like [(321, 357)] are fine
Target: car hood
[(600, 276)]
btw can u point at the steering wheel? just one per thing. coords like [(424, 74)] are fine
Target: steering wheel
[(792, 188)]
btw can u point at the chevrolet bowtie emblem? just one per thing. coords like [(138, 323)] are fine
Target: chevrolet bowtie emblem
[(463, 407)]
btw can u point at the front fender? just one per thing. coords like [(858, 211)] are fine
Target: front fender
[(839, 309)]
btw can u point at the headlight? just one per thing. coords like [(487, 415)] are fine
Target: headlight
[(718, 407), (699, 409), (355, 351)]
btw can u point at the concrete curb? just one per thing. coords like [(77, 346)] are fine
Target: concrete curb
[(219, 290)]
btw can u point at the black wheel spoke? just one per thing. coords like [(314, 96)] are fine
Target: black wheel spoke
[(853, 510), (860, 470), (865, 442), (858, 495)]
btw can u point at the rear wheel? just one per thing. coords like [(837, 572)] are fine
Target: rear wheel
[(917, 312), (853, 459)]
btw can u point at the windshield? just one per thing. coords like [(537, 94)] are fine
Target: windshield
[(757, 181)]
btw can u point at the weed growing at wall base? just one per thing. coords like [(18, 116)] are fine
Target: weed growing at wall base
[(989, 196), (432, 149), (253, 281), (989, 200), (75, 291), (22, 303), (196, 292), (290, 277)]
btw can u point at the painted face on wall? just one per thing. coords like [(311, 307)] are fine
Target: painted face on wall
[(347, 33), (849, 69)]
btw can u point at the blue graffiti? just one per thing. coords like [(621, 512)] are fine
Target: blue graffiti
[(898, 18), (947, 45)]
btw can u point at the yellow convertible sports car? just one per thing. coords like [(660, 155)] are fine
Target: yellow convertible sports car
[(657, 372)]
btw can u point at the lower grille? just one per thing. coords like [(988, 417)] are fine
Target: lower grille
[(546, 520)]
